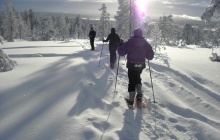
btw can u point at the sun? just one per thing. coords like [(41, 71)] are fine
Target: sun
[(141, 5)]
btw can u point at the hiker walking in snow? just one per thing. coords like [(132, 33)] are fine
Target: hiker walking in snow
[(113, 39), (137, 50), (92, 35)]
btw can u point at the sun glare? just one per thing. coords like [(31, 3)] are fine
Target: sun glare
[(141, 5)]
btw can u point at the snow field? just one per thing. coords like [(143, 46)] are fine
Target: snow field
[(59, 91)]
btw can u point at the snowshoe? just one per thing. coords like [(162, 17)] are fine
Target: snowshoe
[(141, 103), (129, 103)]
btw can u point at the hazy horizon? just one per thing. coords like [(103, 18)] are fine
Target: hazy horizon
[(191, 9)]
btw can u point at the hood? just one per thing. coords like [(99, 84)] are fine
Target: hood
[(113, 30), (138, 32)]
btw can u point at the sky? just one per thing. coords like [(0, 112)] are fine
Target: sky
[(154, 8)]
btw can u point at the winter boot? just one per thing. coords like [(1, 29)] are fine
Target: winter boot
[(130, 100), (139, 92), (131, 96)]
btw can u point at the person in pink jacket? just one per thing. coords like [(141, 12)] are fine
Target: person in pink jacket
[(137, 50)]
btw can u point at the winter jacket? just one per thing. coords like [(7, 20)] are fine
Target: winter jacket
[(113, 38), (137, 50), (92, 34)]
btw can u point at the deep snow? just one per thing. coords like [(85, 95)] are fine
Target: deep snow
[(58, 91)]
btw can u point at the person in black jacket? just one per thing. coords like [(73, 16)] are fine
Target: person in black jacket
[(114, 40), (92, 35)]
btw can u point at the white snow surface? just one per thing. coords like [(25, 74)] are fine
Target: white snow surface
[(60, 91)]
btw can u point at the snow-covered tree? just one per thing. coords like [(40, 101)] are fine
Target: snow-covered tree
[(104, 25), (211, 38), (22, 27), (62, 28), (198, 35), (6, 63), (213, 11), (167, 28), (123, 19), (146, 27), (156, 36), (9, 22), (26, 16), (187, 34), (34, 21), (175, 35), (47, 30), (78, 31), (71, 28)]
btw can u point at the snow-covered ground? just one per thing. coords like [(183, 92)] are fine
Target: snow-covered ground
[(58, 91)]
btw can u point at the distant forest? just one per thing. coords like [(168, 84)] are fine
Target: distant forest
[(36, 26)]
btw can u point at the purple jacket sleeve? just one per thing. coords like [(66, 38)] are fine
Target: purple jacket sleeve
[(150, 53)]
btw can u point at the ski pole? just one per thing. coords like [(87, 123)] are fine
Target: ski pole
[(100, 54), (117, 73), (151, 81)]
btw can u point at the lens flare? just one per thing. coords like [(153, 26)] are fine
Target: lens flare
[(140, 9), (141, 5)]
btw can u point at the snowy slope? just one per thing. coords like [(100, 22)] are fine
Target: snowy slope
[(59, 91)]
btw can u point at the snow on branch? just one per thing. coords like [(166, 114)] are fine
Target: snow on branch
[(212, 11)]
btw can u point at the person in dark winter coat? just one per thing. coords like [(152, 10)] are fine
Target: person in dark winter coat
[(92, 35), (137, 50), (113, 39)]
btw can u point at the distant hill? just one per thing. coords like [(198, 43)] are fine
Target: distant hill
[(179, 21)]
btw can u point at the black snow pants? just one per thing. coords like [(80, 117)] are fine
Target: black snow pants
[(134, 77), (113, 56)]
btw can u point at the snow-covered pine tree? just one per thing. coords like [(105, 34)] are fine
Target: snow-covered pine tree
[(167, 28), (78, 32), (198, 37), (129, 17), (215, 40), (175, 35), (34, 22), (9, 22), (187, 34), (212, 11), (47, 30), (25, 16), (85, 28), (156, 36), (104, 25), (146, 27), (123, 19), (22, 28), (62, 28), (6, 63), (26, 19)]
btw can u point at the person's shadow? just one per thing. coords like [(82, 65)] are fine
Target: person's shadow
[(132, 125)]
